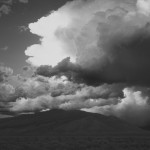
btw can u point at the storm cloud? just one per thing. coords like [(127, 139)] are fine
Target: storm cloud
[(106, 41), (92, 56)]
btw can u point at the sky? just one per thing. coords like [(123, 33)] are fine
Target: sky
[(90, 55)]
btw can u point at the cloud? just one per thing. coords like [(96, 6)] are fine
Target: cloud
[(133, 107), (109, 40), (49, 93), (6, 91), (4, 116), (61, 39), (143, 6), (73, 72), (5, 8), (41, 93), (23, 28), (23, 1), (4, 48), (92, 56), (9, 2), (26, 68), (5, 72), (118, 100), (36, 86)]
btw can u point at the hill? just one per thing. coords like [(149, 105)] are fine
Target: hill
[(61, 122)]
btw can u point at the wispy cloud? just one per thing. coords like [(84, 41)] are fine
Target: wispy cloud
[(5, 8), (23, 1), (23, 28), (5, 48)]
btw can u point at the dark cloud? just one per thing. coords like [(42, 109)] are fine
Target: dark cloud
[(110, 41), (23, 28), (65, 67), (125, 60), (127, 55), (122, 53), (134, 104), (74, 72), (112, 66), (26, 68)]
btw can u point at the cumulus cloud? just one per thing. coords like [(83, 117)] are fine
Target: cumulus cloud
[(134, 107), (36, 86), (48, 93), (92, 56), (143, 6), (41, 93), (5, 72), (108, 39), (107, 99), (6, 90)]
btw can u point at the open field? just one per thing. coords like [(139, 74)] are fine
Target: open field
[(75, 143)]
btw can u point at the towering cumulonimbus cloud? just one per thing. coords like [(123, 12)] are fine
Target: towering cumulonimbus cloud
[(70, 31), (109, 39), (92, 56)]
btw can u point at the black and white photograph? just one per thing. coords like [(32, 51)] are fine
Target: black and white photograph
[(74, 74)]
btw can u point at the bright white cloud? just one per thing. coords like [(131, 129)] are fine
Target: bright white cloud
[(51, 49), (72, 30), (61, 31), (144, 6)]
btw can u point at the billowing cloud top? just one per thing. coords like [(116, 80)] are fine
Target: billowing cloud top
[(107, 38), (93, 56)]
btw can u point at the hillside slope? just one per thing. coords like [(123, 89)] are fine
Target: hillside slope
[(66, 123)]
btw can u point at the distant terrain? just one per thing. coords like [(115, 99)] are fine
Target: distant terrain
[(66, 123), (72, 130)]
